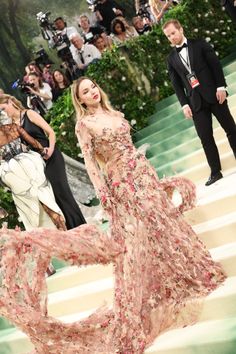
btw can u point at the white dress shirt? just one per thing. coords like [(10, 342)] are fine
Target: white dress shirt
[(89, 53)]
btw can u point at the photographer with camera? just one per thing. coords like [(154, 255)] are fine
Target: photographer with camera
[(64, 31), (106, 11), (39, 94), (85, 53), (140, 25), (88, 31)]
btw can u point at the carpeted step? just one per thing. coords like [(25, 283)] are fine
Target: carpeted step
[(217, 306), (214, 201), (218, 231), (210, 337)]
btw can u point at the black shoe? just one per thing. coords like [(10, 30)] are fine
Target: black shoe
[(213, 178), (50, 270)]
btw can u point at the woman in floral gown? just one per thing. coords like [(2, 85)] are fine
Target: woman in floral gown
[(164, 265), (162, 270)]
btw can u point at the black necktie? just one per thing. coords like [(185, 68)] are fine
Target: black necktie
[(182, 46), (81, 57)]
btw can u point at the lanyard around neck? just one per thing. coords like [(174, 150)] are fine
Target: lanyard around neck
[(186, 61)]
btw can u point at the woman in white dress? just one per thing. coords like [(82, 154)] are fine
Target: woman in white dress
[(22, 171)]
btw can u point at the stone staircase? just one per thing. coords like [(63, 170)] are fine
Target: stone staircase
[(174, 149)]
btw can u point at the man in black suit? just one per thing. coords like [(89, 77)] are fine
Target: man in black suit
[(199, 83), (230, 7)]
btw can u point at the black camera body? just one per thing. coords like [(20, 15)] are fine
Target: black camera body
[(143, 11), (43, 19), (93, 4), (23, 86), (42, 57)]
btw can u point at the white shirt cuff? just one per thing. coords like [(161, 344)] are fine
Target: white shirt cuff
[(184, 106), (222, 88)]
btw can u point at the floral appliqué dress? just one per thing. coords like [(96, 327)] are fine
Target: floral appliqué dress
[(164, 266), (162, 271)]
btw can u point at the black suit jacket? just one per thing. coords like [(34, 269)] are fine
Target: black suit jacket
[(206, 65), (223, 2)]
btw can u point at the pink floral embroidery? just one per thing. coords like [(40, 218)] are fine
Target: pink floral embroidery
[(115, 184), (159, 262), (132, 164)]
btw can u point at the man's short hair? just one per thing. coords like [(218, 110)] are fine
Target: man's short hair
[(59, 18), (172, 21), (84, 16)]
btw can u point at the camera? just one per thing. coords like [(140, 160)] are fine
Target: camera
[(42, 57), (143, 11), (56, 40), (20, 84), (43, 18), (92, 4)]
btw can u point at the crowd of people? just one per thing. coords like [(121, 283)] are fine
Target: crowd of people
[(94, 35), (162, 270)]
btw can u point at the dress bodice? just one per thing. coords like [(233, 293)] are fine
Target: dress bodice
[(110, 136), (35, 131), (11, 149)]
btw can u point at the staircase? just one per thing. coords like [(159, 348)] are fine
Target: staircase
[(174, 149)]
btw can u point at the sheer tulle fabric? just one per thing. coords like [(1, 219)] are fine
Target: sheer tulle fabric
[(162, 270)]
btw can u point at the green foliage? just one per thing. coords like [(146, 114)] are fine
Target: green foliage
[(8, 204), (134, 75), (62, 120)]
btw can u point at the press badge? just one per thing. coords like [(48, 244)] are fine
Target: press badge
[(193, 80)]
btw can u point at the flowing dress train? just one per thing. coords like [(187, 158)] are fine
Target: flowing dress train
[(161, 269)]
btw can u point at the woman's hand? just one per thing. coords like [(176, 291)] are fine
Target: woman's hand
[(32, 90), (47, 152)]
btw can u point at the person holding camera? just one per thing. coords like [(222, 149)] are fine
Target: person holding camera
[(140, 26), (40, 94), (64, 31), (106, 11), (88, 31)]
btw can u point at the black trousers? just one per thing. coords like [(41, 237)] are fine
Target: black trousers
[(203, 124), (231, 9)]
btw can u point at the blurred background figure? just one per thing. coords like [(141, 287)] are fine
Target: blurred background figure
[(106, 11), (119, 33), (99, 43), (87, 30), (85, 53), (140, 26), (61, 82), (47, 75), (230, 7), (40, 94)]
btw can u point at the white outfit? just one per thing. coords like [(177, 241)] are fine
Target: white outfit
[(24, 176), (46, 89), (89, 53)]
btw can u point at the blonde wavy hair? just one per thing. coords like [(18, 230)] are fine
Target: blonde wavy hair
[(80, 108), (4, 98)]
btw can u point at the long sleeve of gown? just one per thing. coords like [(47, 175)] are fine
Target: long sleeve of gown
[(86, 144)]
